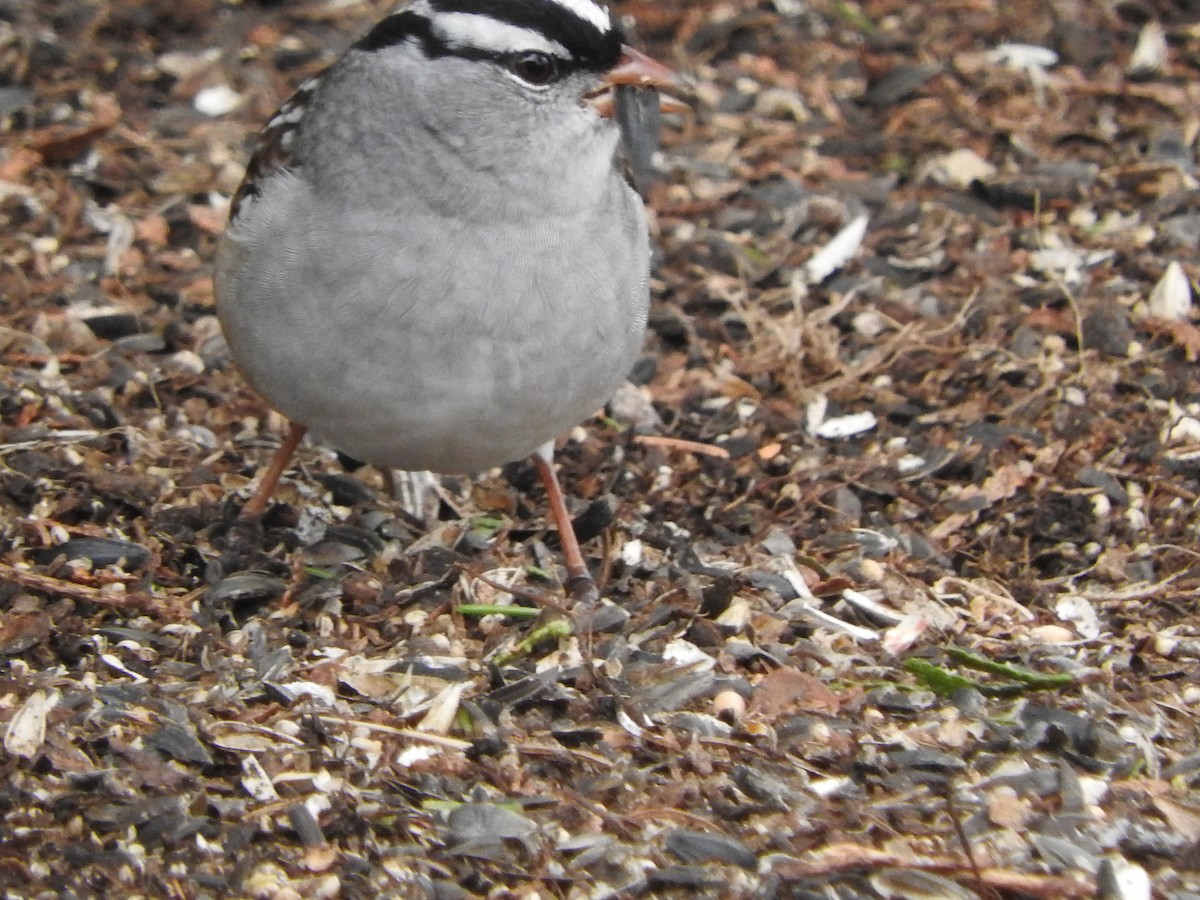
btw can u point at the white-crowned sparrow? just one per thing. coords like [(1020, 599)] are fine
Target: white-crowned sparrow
[(435, 261)]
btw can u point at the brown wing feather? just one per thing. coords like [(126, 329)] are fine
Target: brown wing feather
[(274, 148)]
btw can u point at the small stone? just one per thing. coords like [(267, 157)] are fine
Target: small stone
[(179, 742), (218, 100), (729, 706), (184, 362), (959, 168), (244, 586), (700, 846), (487, 824), (1051, 634)]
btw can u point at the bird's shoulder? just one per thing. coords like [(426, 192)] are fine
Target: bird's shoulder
[(275, 146)]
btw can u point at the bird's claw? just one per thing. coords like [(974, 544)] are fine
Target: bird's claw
[(582, 591)]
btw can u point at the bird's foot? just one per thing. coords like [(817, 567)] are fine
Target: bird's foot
[(582, 591)]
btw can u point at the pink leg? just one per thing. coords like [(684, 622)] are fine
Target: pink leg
[(579, 580), (270, 478)]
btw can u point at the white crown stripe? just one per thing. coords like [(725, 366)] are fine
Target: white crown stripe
[(590, 12), (420, 7), (482, 32)]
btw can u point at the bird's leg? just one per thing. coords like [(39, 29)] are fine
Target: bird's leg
[(390, 485), (270, 478), (579, 580)]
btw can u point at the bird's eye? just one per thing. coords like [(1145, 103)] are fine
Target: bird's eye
[(538, 69)]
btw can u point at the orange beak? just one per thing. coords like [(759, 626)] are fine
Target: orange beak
[(637, 70)]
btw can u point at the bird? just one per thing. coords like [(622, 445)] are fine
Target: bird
[(436, 259)]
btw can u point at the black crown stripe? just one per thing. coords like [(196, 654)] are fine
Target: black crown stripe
[(589, 47), (396, 29)]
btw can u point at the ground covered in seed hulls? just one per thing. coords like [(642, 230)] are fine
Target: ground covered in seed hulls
[(896, 523)]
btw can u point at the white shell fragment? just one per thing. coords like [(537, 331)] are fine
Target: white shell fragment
[(119, 227), (901, 637), (218, 100), (26, 731), (1172, 296), (417, 753), (1181, 425), (256, 782), (1031, 59), (814, 413), (1120, 879), (626, 722), (846, 426), (1065, 262), (183, 65), (805, 609), (1080, 613), (872, 606), (685, 653), (114, 662), (1149, 56), (827, 787), (311, 691), (633, 552), (1051, 634), (958, 168), (443, 709), (1023, 56), (838, 251)]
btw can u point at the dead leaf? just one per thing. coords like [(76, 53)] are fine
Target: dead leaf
[(1183, 820), (791, 690), (1181, 333)]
